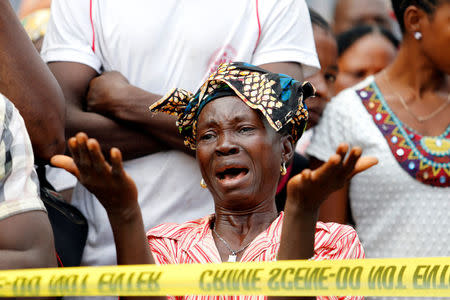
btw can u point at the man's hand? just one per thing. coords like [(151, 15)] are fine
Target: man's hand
[(106, 93), (113, 187), (309, 189)]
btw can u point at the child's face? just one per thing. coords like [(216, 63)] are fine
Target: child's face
[(323, 81)]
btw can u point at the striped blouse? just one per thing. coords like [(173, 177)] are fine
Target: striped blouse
[(192, 242)]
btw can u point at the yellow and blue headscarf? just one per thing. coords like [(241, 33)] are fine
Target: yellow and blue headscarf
[(278, 97)]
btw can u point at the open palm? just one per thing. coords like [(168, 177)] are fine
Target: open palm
[(109, 182)]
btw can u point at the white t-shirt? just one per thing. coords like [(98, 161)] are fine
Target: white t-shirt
[(159, 45), (396, 215)]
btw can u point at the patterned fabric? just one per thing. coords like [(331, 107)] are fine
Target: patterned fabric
[(36, 23), (18, 180), (278, 97), (192, 242), (425, 158)]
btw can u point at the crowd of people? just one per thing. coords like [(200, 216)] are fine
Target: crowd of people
[(197, 132)]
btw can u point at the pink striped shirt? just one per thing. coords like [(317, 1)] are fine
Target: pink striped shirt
[(192, 242)]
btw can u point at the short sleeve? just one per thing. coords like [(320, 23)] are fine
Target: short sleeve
[(336, 241), (335, 126), (162, 250), (19, 186), (286, 35), (162, 243), (70, 35)]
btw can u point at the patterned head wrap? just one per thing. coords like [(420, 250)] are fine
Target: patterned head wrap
[(278, 97)]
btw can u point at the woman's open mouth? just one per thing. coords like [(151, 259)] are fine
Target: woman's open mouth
[(231, 175)]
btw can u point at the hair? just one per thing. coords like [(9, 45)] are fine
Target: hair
[(318, 20), (400, 6), (349, 37)]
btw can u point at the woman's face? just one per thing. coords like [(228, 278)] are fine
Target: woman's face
[(436, 37), (324, 80), (367, 56), (238, 154)]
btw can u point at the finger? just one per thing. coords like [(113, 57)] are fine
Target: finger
[(363, 164), (83, 151), (295, 182), (342, 149), (306, 175), (96, 156), (65, 162), (116, 162), (329, 168), (349, 164), (73, 147)]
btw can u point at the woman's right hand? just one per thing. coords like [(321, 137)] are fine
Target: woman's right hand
[(109, 182)]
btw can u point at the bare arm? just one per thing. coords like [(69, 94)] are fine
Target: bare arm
[(335, 207), (27, 82), (74, 79), (116, 191), (26, 241), (111, 95), (305, 194), (292, 69)]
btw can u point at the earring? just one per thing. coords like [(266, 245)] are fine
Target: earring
[(203, 183), (418, 35), (283, 168)]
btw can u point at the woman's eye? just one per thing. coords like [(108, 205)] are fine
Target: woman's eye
[(206, 136), (246, 129)]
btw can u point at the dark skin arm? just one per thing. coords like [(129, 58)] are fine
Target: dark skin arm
[(117, 193), (336, 207), (74, 79), (111, 95), (305, 194), (292, 69), (27, 82), (26, 241)]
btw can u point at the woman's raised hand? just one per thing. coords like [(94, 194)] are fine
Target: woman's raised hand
[(107, 181), (307, 190)]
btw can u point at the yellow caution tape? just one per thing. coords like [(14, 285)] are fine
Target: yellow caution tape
[(369, 277)]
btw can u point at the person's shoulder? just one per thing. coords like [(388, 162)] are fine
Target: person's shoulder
[(281, 2), (337, 241), (8, 111), (4, 101), (337, 236), (175, 231), (281, 5), (348, 97), (352, 90), (334, 229)]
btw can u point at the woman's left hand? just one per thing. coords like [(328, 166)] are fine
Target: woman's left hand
[(307, 190)]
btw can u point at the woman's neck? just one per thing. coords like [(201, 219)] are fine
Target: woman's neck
[(244, 225), (414, 70), (416, 91), (234, 232)]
